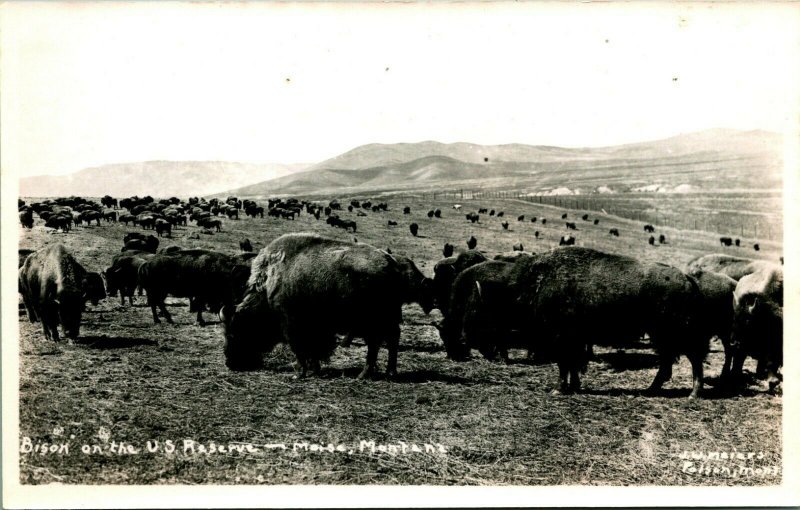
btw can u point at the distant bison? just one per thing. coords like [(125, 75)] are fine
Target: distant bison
[(437, 213), (500, 214), (123, 275), (245, 245), (596, 221), (649, 228), (26, 219), (566, 241), (662, 239), (651, 241), (571, 226), (521, 218), (756, 247), (472, 242), (613, 232), (392, 223), (517, 247), (585, 217), (447, 251), (564, 216), (414, 228), (406, 210), (472, 217), (430, 213), (725, 241), (504, 225)]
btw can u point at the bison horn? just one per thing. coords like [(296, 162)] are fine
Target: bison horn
[(753, 306), (480, 292)]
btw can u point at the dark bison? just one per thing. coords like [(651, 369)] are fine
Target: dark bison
[(758, 323), (140, 243), (651, 241), (564, 216), (472, 242), (585, 217), (571, 226), (533, 220), (437, 213), (565, 300), (500, 214), (521, 218), (445, 272), (54, 288), (123, 275), (596, 221), (414, 228), (245, 245), (474, 218), (26, 218), (205, 277), (566, 241), (447, 251), (756, 247), (406, 210), (544, 221), (649, 228), (735, 267), (504, 225), (430, 213), (392, 223), (725, 241), (662, 239), (110, 216), (304, 289), (23, 254), (64, 223), (614, 232), (163, 227), (517, 247)]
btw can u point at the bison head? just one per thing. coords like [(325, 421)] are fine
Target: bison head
[(93, 288), (249, 332), (454, 344), (70, 308)]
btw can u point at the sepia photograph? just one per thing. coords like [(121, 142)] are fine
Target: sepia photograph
[(399, 254)]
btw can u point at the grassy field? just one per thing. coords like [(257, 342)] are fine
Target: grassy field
[(475, 423)]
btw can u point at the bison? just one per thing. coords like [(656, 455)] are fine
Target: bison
[(716, 313), (735, 267), (725, 241), (758, 323), (445, 272), (447, 251), (649, 228), (472, 242), (26, 218), (54, 288), (565, 300), (123, 275), (614, 232), (566, 241), (571, 226), (205, 277), (245, 245), (303, 290), (414, 228)]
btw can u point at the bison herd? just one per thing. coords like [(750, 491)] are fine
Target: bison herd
[(303, 289)]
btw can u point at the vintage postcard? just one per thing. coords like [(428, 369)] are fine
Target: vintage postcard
[(399, 254)]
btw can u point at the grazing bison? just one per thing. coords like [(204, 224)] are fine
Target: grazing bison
[(26, 218), (445, 272), (406, 210), (517, 247), (521, 218), (303, 290), (110, 216), (414, 228), (544, 221), (483, 210), (504, 225), (565, 300), (737, 242), (447, 251), (533, 220), (23, 254), (123, 275), (474, 218), (614, 232), (564, 216), (735, 267), (756, 247), (245, 245), (536, 234), (725, 241), (662, 239), (491, 213), (472, 242), (571, 226), (126, 218), (437, 213), (54, 288), (64, 223), (500, 214), (430, 213), (649, 228), (392, 223), (205, 277), (758, 323), (651, 241), (138, 242), (585, 217), (596, 221), (566, 241)]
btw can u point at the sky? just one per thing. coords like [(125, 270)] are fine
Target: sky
[(85, 84)]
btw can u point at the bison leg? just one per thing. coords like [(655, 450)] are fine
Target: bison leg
[(199, 305), (563, 372), (664, 373), (735, 375), (392, 344), (697, 375), (725, 373), (372, 358)]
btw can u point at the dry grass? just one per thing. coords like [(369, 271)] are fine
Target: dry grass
[(498, 423)]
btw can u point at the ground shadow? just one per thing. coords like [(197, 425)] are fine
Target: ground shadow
[(110, 342), (413, 377)]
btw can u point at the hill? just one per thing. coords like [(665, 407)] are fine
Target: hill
[(703, 161), (157, 178)]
